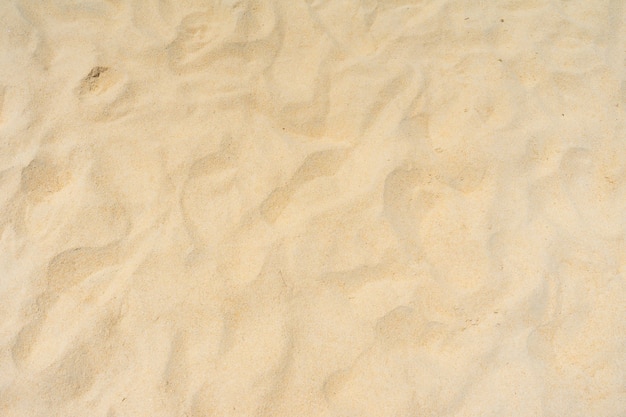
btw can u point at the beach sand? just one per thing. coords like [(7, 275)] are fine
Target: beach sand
[(293, 208)]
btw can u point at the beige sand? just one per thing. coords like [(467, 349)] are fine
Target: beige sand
[(313, 208)]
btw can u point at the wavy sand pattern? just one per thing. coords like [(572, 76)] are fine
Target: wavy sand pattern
[(341, 208)]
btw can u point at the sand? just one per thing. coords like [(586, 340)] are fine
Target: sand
[(313, 208)]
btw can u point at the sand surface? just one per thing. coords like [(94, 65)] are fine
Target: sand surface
[(294, 208)]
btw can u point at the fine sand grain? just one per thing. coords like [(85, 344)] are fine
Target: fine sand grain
[(313, 208)]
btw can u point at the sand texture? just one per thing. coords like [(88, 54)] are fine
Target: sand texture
[(312, 208)]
